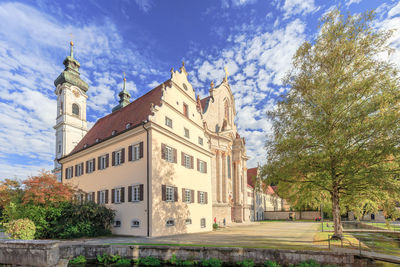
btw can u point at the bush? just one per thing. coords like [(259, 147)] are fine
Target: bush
[(245, 263), (270, 263), (123, 262), (213, 262), (309, 263), (21, 229), (80, 261), (149, 261), (215, 226), (106, 259)]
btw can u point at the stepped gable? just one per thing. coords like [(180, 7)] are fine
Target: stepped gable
[(134, 114), (251, 174)]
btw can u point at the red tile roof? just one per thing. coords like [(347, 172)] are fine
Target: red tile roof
[(269, 190), (134, 113), (251, 174)]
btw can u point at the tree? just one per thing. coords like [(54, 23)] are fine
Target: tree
[(45, 189), (336, 131), (10, 190)]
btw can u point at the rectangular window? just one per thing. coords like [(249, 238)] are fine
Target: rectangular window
[(118, 158), (169, 193), (202, 199), (188, 196), (136, 193), (90, 197), (185, 110), (79, 169), (69, 173), (188, 221), (103, 162), (186, 133), (102, 197), (187, 161), (90, 166), (169, 154), (203, 222), (168, 122), (200, 141), (117, 195), (135, 152), (202, 166)]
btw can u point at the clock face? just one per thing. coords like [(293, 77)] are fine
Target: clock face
[(76, 93)]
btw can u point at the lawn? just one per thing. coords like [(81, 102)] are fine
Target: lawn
[(349, 241), (386, 226)]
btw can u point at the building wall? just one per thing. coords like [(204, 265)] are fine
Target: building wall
[(127, 174)]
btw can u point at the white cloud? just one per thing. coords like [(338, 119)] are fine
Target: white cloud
[(349, 2), (394, 11), (298, 7)]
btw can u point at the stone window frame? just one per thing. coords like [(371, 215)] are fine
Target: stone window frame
[(203, 222), (170, 222), (168, 122), (135, 223)]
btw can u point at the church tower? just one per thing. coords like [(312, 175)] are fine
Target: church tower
[(71, 123)]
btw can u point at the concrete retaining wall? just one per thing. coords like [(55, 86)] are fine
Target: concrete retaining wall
[(285, 215), (32, 253)]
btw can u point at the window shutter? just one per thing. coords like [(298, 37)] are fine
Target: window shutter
[(175, 193), (175, 156), (198, 196), (129, 193), (83, 170), (99, 162), (72, 171), (183, 159), (87, 166), (130, 153), (123, 155), (94, 164), (141, 192), (183, 195), (113, 159), (141, 150), (66, 173), (192, 196), (205, 167), (122, 194), (106, 195), (107, 160), (198, 164), (76, 170), (206, 197), (93, 197), (191, 162), (162, 151), (112, 195), (163, 192), (98, 197)]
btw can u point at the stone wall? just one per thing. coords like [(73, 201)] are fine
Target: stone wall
[(285, 215), (52, 253)]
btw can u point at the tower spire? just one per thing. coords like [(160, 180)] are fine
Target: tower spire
[(124, 97), (71, 51)]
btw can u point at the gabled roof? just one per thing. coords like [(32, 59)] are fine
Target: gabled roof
[(204, 103), (251, 173), (134, 113)]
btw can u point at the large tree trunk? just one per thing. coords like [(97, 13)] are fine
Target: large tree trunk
[(338, 230)]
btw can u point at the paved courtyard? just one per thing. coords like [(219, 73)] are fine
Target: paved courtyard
[(264, 234)]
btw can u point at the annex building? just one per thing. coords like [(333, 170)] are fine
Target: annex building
[(168, 162)]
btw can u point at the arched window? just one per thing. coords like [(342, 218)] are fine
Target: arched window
[(75, 109)]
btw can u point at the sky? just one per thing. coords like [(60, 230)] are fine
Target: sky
[(255, 39)]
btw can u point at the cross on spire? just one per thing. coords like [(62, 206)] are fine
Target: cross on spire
[(71, 52)]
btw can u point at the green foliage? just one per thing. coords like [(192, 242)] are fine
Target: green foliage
[(106, 259), (335, 132), (213, 262), (80, 260), (64, 219), (123, 262), (149, 261), (178, 262), (20, 229), (215, 226), (270, 263), (245, 263)]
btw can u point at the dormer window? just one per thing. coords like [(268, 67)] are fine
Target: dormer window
[(85, 145), (114, 132), (97, 140), (75, 109), (128, 125)]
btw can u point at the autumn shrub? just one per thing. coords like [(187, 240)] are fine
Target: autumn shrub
[(20, 229)]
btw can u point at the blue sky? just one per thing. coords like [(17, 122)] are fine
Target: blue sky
[(255, 39)]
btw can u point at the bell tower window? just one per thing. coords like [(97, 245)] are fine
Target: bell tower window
[(75, 109)]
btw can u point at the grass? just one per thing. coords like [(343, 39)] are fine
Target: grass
[(349, 241), (389, 226), (267, 221)]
